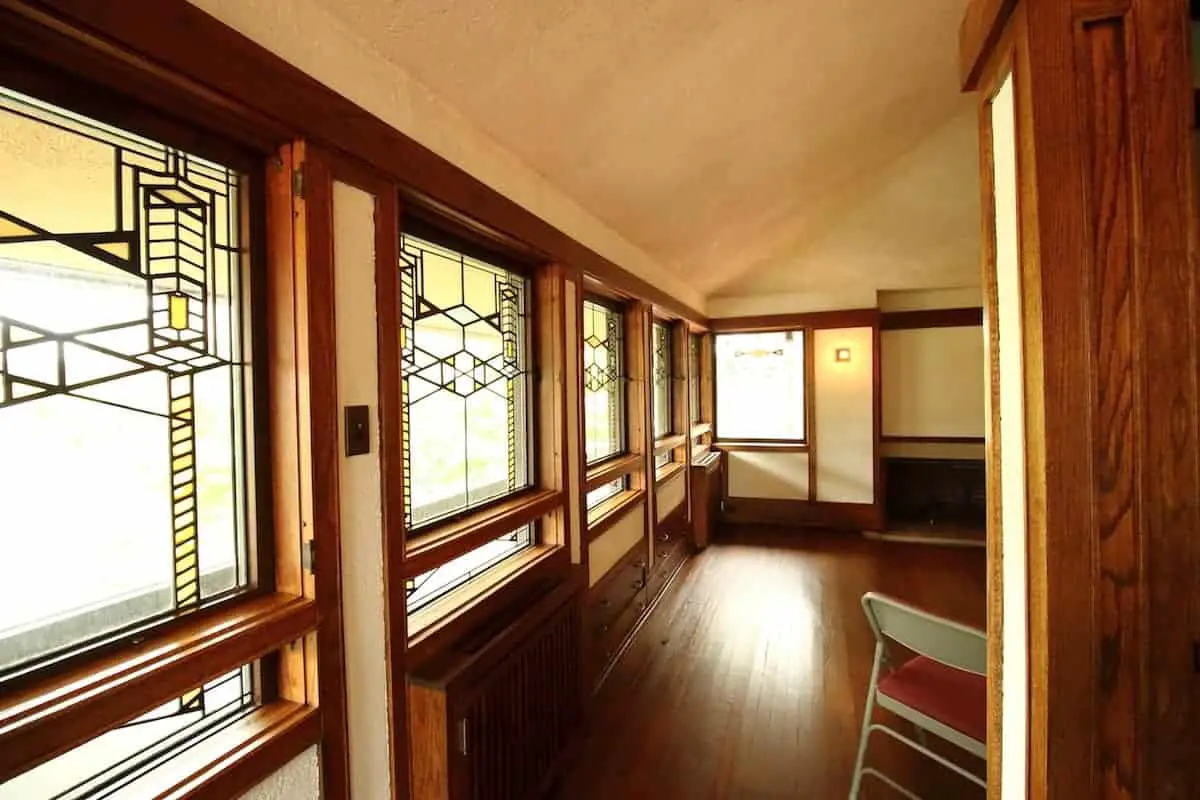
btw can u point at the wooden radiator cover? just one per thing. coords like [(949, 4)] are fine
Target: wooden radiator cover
[(490, 718)]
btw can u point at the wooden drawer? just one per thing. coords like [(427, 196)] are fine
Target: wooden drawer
[(618, 589), (608, 641), (669, 552)]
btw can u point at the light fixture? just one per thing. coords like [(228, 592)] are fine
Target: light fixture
[(842, 355)]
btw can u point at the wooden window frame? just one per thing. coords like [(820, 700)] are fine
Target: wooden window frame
[(750, 444), (617, 307)]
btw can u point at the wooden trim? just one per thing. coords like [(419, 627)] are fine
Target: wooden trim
[(816, 320), (700, 429), (46, 720), (476, 601), (668, 471), (323, 498), (890, 439), (980, 31), (611, 511), (935, 318), (266, 741), (780, 446), (669, 442), (458, 537), (611, 469), (802, 513), (250, 85)]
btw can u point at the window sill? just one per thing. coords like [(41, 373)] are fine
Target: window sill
[(669, 442), (440, 614), (700, 428), (64, 711), (237, 758), (667, 471), (610, 469), (761, 447), (457, 537), (606, 514)]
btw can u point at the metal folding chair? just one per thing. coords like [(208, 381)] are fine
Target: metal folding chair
[(943, 690)]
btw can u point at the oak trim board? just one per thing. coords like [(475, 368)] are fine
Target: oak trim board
[(895, 439), (815, 320), (802, 513)]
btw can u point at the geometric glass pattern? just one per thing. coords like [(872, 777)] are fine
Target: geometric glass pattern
[(663, 388), (694, 375), (123, 380), (760, 386), (118, 761), (603, 380), (465, 381), (423, 589)]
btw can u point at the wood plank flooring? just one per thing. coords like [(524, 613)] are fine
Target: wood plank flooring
[(749, 678)]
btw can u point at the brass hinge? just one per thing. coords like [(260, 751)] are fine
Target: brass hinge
[(308, 556), (298, 182)]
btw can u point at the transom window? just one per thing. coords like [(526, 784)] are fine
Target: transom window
[(603, 381), (760, 386), (124, 381), (466, 365)]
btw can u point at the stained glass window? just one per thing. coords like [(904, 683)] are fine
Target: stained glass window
[(760, 386), (605, 491), (119, 762), (694, 376), (466, 365), (662, 388), (440, 581), (603, 380), (123, 380)]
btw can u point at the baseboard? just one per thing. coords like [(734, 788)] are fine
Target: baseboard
[(842, 516)]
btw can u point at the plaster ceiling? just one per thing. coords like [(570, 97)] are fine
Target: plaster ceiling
[(752, 146)]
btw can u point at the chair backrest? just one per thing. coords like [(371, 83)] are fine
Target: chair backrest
[(952, 643)]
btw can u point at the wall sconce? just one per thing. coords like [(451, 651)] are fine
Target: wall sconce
[(842, 355)]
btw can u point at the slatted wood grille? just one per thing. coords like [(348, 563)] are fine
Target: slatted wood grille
[(515, 725)]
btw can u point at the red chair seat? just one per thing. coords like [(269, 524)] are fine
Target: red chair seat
[(953, 697)]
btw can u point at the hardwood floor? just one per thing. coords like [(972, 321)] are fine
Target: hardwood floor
[(748, 680)]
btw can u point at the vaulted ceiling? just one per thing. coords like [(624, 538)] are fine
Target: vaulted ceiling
[(753, 146)]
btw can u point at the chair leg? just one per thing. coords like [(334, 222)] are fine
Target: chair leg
[(864, 737)]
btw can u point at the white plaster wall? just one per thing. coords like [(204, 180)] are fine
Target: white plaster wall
[(606, 551), (1014, 704), (767, 475), (789, 302), (299, 779), (670, 495), (930, 299), (313, 40), (845, 416), (360, 493), (933, 382)]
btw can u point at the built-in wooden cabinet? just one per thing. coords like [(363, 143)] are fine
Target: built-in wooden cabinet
[(706, 497)]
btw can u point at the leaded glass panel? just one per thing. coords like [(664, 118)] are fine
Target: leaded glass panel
[(466, 366), (662, 380), (123, 380), (439, 581), (603, 380), (117, 761), (607, 490), (694, 376), (760, 386)]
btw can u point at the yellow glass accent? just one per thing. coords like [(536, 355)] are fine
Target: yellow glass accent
[(182, 463), (184, 492), (8, 229), (178, 307), (118, 249)]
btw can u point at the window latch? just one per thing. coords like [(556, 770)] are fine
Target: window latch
[(308, 556)]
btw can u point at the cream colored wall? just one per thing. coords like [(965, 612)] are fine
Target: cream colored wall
[(363, 607), (767, 475), (1014, 647), (313, 40), (953, 450), (618, 540), (845, 416), (933, 382), (299, 779), (670, 495)]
